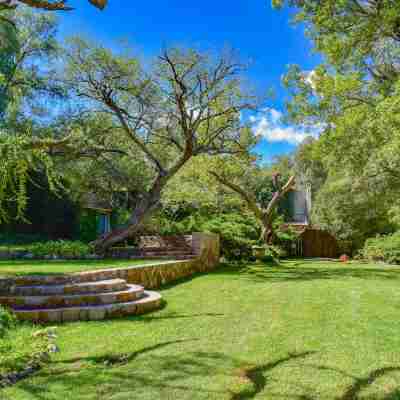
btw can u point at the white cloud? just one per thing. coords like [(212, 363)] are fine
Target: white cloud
[(309, 78), (276, 115), (268, 125)]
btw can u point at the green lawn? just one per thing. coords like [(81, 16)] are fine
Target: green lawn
[(27, 267), (302, 331)]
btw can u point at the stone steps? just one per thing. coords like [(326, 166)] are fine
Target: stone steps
[(91, 295), (171, 253), (110, 285), (133, 292), (166, 257), (149, 302), (186, 250)]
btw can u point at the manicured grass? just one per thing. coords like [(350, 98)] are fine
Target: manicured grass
[(24, 267), (304, 330)]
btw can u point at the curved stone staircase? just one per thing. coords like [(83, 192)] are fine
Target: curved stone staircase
[(79, 297)]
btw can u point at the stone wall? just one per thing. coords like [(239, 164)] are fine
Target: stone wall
[(205, 246)]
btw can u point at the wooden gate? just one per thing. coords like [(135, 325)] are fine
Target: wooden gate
[(318, 243)]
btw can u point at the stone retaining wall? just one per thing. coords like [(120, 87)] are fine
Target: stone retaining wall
[(194, 245), (206, 247)]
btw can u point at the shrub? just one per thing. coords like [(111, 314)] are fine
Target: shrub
[(238, 232), (22, 347), (7, 322), (273, 253), (87, 226), (61, 248), (383, 248)]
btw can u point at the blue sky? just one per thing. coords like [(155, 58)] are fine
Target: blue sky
[(260, 34)]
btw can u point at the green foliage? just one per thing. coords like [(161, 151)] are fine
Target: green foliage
[(23, 347), (60, 248), (238, 231), (8, 50), (353, 99), (7, 322), (87, 226), (27, 88), (17, 161), (383, 248), (273, 253)]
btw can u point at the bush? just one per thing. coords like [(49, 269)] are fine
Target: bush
[(7, 322), (383, 248), (273, 253), (87, 226), (238, 232), (61, 248), (22, 347)]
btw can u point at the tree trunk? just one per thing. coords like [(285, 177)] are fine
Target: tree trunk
[(144, 209), (267, 232), (264, 216)]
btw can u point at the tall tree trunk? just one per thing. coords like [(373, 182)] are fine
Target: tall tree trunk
[(142, 211)]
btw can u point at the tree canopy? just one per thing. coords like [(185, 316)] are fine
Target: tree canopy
[(352, 98)]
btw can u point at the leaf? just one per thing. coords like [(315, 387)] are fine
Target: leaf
[(8, 36), (99, 3)]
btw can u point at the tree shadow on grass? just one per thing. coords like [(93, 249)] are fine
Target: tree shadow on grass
[(124, 358), (152, 318), (260, 273), (257, 376), (160, 370), (360, 383), (158, 373)]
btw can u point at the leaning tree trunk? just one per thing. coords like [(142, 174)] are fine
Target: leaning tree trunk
[(268, 214), (143, 210)]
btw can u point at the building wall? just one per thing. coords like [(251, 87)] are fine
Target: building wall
[(300, 206)]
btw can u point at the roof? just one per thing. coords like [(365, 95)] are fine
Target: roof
[(92, 201)]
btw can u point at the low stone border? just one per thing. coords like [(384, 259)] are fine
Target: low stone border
[(197, 241)]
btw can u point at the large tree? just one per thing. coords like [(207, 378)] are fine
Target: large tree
[(10, 47), (353, 98), (188, 103), (36, 136)]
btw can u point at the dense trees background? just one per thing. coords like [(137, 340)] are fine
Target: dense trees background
[(158, 133)]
